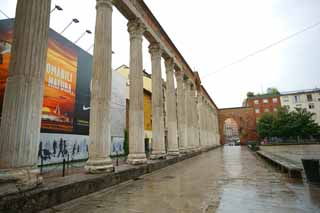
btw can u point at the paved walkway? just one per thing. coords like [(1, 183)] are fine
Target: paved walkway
[(228, 179), (294, 152)]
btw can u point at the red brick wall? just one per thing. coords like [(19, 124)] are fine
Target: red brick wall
[(245, 119), (271, 106)]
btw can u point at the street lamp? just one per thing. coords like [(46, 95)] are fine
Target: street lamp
[(56, 7), (87, 31), (72, 21)]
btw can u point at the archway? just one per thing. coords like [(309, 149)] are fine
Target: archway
[(244, 117), (231, 132)]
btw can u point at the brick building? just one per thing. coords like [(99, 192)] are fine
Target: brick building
[(263, 103)]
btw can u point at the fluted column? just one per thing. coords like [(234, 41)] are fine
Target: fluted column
[(181, 110), (206, 124), (158, 146), (189, 108), (195, 120), (186, 114), (21, 113), (200, 113), (171, 110), (136, 107), (99, 134)]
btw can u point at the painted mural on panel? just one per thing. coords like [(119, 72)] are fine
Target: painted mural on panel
[(65, 110)]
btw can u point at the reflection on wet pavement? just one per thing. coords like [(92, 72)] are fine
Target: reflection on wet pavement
[(229, 179)]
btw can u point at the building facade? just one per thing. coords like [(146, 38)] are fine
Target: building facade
[(147, 101), (305, 99), (263, 103)]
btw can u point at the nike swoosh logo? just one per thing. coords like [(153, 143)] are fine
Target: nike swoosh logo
[(84, 108)]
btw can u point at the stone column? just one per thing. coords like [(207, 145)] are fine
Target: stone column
[(171, 110), (196, 122), (186, 114), (21, 113), (206, 124), (200, 113), (100, 117), (137, 153), (158, 146), (181, 95), (189, 109)]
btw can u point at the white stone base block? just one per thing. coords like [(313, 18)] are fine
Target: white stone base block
[(173, 152), (136, 159), (98, 166), (158, 155), (24, 178)]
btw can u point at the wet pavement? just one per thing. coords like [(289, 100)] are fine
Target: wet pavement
[(228, 179), (295, 152)]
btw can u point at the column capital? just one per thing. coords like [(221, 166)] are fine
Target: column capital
[(136, 28), (169, 63), (191, 84), (179, 75), (155, 49), (104, 3)]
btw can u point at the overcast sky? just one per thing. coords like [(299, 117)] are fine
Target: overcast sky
[(213, 33)]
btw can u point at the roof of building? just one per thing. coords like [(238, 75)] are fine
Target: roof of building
[(300, 91), (263, 96)]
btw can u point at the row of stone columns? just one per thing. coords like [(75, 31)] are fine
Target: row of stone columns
[(189, 117)]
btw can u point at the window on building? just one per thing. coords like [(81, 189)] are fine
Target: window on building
[(256, 101), (266, 110), (309, 97), (265, 101), (275, 100), (298, 105), (311, 106), (296, 99), (257, 110)]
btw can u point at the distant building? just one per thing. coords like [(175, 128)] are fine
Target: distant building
[(263, 103), (306, 99), (147, 90)]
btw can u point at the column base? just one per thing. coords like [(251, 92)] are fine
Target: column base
[(155, 155), (174, 152), (184, 150), (136, 159), (23, 178), (98, 166)]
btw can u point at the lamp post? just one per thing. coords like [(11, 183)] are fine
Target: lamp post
[(56, 7), (87, 31), (72, 21)]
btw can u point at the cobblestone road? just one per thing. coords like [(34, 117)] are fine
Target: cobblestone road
[(228, 179)]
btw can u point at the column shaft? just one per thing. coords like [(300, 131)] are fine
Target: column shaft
[(171, 110), (189, 108), (181, 110), (21, 113), (158, 146), (136, 107), (99, 134)]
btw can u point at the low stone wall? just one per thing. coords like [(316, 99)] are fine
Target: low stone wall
[(59, 190)]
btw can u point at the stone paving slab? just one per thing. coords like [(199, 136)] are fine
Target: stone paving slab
[(288, 157), (294, 169), (225, 180), (62, 189)]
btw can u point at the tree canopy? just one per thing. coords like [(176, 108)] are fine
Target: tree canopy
[(285, 124)]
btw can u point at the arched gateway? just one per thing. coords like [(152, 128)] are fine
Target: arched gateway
[(245, 120)]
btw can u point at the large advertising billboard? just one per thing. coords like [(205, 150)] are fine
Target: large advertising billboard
[(65, 110)]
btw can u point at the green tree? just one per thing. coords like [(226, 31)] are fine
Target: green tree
[(250, 94), (273, 91), (284, 124), (265, 125)]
